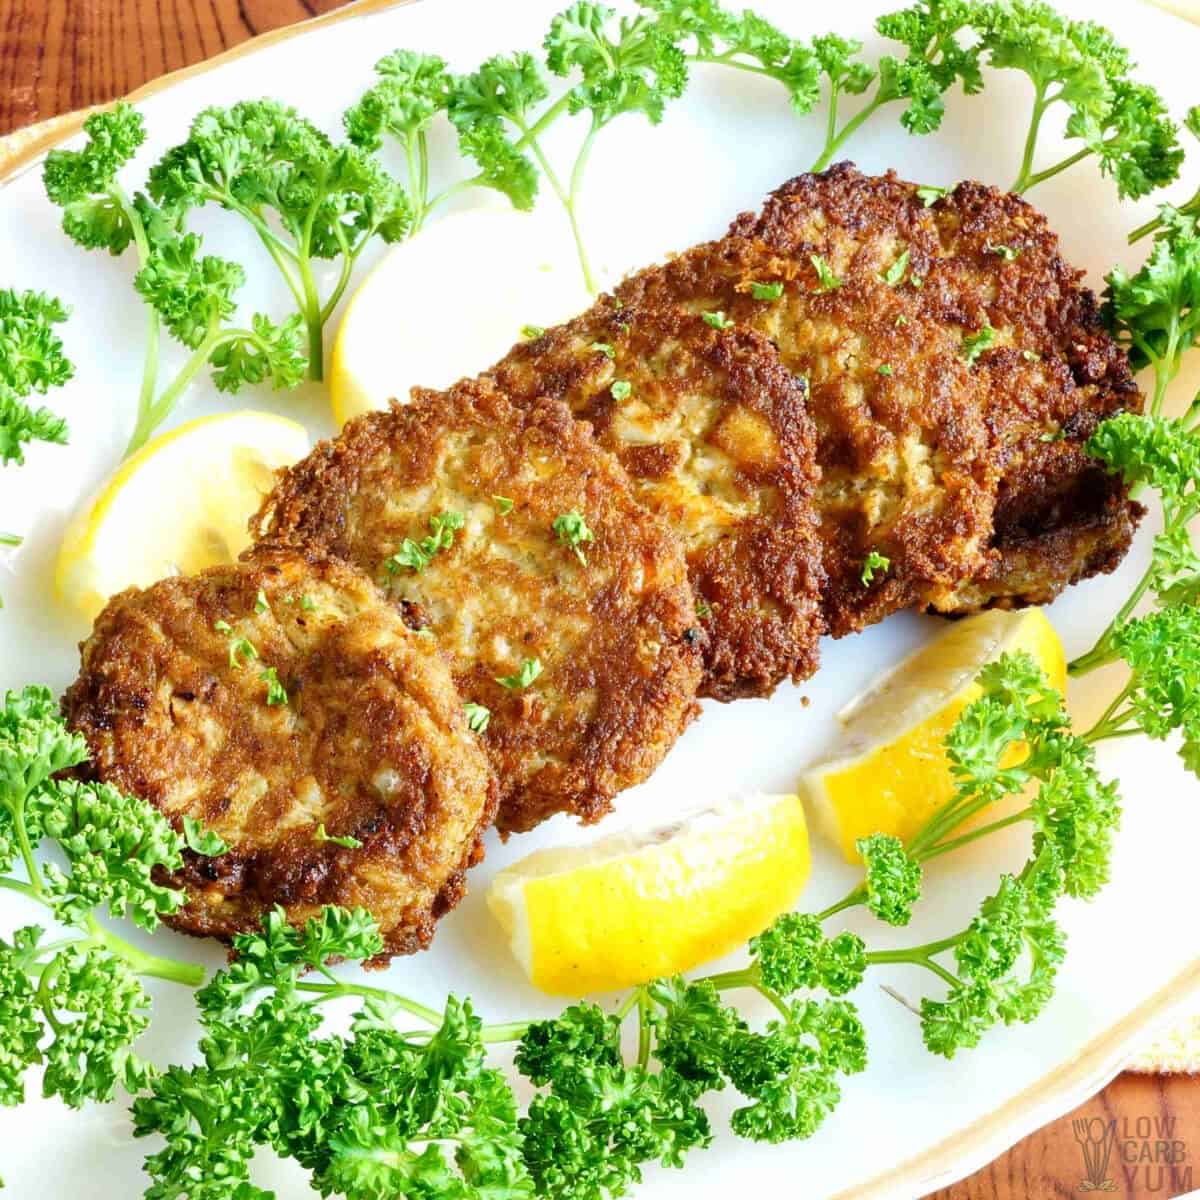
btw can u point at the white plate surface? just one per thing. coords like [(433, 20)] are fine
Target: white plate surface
[(719, 151)]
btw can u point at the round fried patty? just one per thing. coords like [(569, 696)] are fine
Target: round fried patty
[(370, 745), (451, 503), (715, 433), (956, 370)]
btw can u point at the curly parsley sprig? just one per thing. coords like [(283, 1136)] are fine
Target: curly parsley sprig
[(75, 1003), (188, 294), (1155, 315), (613, 67), (31, 361), (1080, 66), (307, 198)]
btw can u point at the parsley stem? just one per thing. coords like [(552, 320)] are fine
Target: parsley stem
[(141, 963), (726, 60), (572, 204), (850, 900), (1040, 104), (334, 991), (23, 889), (643, 1007), (776, 999), (150, 355), (1050, 172), (848, 130), (975, 834), (1102, 652)]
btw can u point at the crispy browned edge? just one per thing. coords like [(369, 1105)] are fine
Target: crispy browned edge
[(312, 506), (763, 579), (90, 705), (1059, 516)]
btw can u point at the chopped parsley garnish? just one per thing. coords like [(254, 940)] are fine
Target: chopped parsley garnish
[(307, 603), (503, 505), (874, 562), (1031, 356), (479, 716), (346, 841), (885, 369), (605, 348), (1008, 253), (917, 281), (901, 321), (974, 344), (930, 195), (260, 603), (895, 273), (620, 389), (530, 669), (416, 556), (827, 281), (766, 291), (572, 530), (276, 692), (703, 609), (202, 841), (718, 320), (532, 331)]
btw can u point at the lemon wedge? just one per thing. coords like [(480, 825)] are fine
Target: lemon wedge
[(177, 506), (891, 771), (644, 903), (450, 302)]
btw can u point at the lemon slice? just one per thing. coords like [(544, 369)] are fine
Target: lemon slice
[(177, 506), (891, 770), (644, 903), (450, 302)]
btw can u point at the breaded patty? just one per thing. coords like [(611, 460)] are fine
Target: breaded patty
[(362, 737), (955, 452), (596, 640), (715, 432)]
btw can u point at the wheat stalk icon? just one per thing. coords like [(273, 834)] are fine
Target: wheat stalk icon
[(1096, 1138)]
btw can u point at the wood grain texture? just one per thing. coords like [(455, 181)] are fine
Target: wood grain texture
[(61, 55)]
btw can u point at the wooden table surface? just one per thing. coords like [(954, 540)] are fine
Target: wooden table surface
[(59, 55)]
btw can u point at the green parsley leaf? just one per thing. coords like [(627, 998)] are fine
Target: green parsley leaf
[(532, 331), (604, 348), (416, 556), (478, 717), (718, 320), (895, 273), (974, 344), (346, 841), (276, 692), (930, 195), (572, 530), (202, 841), (503, 505), (827, 281), (621, 388), (766, 291), (260, 603), (1008, 253), (529, 670), (872, 563), (885, 369)]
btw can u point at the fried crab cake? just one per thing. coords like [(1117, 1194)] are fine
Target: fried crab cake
[(282, 703), (715, 433), (508, 534), (956, 369)]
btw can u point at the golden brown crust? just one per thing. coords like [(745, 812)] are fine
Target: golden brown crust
[(372, 743), (715, 433), (943, 466), (616, 635)]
